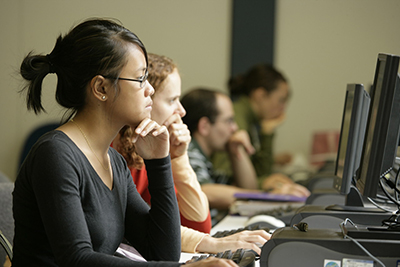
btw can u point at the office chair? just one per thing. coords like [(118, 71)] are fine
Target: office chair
[(33, 137), (6, 220), (6, 245), (4, 178)]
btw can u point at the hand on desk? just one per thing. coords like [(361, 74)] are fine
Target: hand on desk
[(281, 184), (245, 239), (283, 158)]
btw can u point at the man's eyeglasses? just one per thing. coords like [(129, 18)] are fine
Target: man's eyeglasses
[(229, 121), (142, 81)]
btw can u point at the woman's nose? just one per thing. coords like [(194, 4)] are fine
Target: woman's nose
[(181, 110), (149, 90)]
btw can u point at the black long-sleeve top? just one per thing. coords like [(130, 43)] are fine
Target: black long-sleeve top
[(66, 216)]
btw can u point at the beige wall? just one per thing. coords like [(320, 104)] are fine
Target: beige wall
[(320, 45), (196, 34)]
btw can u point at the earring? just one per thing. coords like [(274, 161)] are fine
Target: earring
[(103, 97)]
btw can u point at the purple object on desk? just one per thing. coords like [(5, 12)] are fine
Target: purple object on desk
[(269, 197)]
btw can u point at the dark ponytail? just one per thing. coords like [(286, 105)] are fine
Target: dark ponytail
[(33, 69), (94, 47), (236, 85)]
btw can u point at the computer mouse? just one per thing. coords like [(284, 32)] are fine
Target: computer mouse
[(265, 221)]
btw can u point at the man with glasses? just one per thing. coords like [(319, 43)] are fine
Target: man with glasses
[(210, 119)]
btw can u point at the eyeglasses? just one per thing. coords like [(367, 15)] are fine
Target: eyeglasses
[(229, 121), (142, 81)]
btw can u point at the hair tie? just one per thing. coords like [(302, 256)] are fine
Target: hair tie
[(51, 66)]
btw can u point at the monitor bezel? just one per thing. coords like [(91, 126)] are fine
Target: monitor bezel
[(382, 132), (345, 168)]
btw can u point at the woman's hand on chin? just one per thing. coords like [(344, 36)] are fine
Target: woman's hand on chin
[(152, 140), (179, 135)]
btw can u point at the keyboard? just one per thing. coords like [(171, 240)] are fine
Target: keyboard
[(238, 230), (242, 257)]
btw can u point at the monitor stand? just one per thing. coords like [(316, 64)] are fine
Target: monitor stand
[(353, 203), (325, 196), (327, 216)]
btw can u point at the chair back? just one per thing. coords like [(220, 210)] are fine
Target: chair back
[(6, 220), (33, 137), (6, 245), (4, 178)]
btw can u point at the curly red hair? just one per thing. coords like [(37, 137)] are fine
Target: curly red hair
[(159, 67)]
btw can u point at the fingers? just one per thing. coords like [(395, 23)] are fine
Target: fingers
[(179, 133), (278, 177), (302, 191), (268, 126), (152, 140), (276, 181), (241, 138), (149, 126), (292, 189), (283, 158), (260, 235), (179, 137), (174, 119), (247, 143), (298, 190), (256, 236), (246, 239)]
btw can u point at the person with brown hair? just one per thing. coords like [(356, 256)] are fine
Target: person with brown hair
[(193, 203), (167, 111)]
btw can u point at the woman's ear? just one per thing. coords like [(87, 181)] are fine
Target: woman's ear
[(204, 126), (99, 87)]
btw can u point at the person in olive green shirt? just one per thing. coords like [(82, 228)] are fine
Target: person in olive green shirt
[(259, 99)]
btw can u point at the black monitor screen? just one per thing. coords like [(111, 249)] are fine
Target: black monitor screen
[(352, 133), (382, 133)]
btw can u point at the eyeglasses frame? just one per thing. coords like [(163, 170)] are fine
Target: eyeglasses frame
[(142, 81)]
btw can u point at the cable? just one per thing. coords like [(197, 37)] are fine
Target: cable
[(365, 250), (393, 222), (387, 194), (396, 182), (343, 226), (379, 206), (393, 185)]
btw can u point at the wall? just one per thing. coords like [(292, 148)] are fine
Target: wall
[(196, 34), (321, 46)]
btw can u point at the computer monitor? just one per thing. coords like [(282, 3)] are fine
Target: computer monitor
[(354, 121), (382, 133)]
